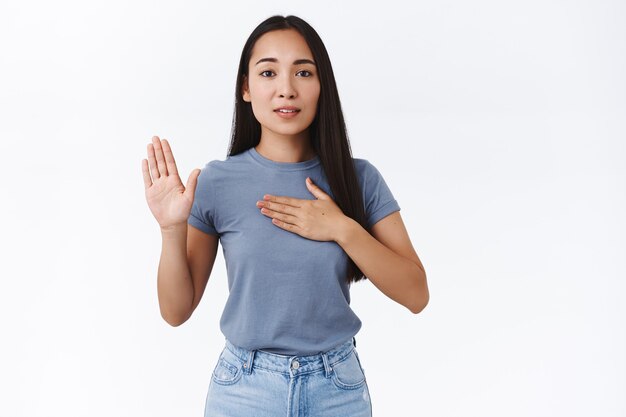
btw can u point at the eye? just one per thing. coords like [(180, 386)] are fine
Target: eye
[(264, 73), (308, 72)]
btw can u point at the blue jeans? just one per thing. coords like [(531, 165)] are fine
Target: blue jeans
[(262, 384)]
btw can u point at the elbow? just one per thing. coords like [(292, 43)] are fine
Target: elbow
[(416, 309), (174, 323), (173, 320), (420, 301)]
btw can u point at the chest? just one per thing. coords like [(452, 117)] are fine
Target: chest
[(249, 237)]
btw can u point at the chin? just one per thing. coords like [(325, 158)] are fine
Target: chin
[(287, 130)]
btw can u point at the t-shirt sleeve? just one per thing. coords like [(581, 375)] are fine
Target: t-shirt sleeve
[(203, 209), (377, 197)]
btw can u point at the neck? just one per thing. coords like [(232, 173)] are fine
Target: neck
[(286, 148)]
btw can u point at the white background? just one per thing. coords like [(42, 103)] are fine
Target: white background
[(500, 127)]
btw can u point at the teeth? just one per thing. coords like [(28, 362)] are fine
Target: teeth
[(286, 111)]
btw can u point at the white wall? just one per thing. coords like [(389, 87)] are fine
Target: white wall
[(499, 126)]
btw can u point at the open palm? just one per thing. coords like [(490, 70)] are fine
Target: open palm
[(169, 201)]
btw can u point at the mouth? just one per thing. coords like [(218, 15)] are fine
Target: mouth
[(287, 110)]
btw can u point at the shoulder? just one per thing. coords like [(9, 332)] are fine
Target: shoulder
[(219, 169), (361, 164), (378, 199), (366, 172)]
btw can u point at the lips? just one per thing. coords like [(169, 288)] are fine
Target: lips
[(289, 109)]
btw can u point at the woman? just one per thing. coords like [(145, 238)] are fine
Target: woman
[(299, 220)]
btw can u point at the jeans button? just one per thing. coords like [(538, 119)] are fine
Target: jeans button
[(295, 364)]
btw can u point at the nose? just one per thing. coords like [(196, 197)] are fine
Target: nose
[(286, 88)]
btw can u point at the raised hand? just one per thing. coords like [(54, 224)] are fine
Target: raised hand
[(169, 201)]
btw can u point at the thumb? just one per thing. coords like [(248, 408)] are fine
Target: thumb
[(192, 182), (315, 190)]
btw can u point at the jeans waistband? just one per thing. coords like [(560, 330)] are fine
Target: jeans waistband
[(291, 364)]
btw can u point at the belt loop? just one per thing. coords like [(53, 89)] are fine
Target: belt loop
[(327, 367), (248, 365)]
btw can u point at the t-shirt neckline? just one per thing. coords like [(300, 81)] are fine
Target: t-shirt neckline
[(283, 166)]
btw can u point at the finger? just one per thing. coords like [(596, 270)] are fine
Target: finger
[(147, 181), (153, 163), (287, 218), (192, 182), (158, 151), (315, 190), (295, 202), (287, 226), (279, 207), (169, 158)]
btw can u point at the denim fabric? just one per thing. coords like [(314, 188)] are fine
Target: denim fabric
[(256, 383)]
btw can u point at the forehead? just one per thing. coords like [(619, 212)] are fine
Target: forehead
[(282, 44)]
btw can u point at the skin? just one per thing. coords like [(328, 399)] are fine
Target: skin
[(270, 85), (393, 267), (384, 254)]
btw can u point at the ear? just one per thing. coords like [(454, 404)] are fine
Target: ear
[(245, 90)]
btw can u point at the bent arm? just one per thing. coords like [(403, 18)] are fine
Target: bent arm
[(387, 258)]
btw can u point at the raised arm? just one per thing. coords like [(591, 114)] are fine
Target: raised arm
[(187, 254)]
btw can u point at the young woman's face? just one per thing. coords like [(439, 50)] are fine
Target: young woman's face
[(282, 73)]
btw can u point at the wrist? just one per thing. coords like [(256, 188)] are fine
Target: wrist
[(174, 229), (345, 229)]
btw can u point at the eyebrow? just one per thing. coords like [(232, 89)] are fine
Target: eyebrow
[(296, 62)]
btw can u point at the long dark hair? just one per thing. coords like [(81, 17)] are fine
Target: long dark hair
[(327, 132)]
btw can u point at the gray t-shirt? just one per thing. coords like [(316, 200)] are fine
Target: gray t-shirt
[(287, 293)]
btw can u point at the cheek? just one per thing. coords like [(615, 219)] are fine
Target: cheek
[(313, 92), (261, 100), (259, 92)]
